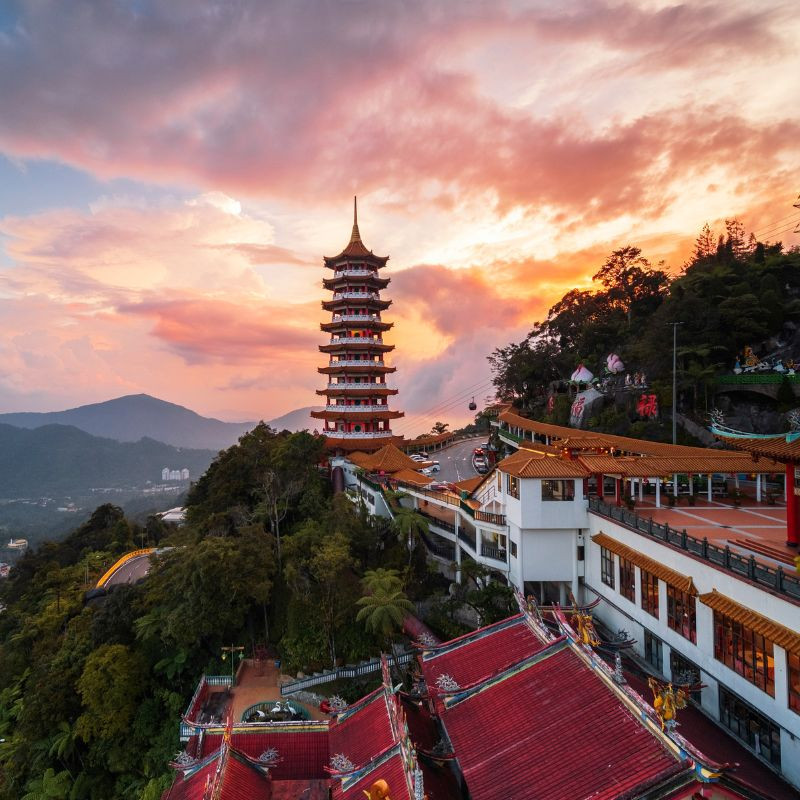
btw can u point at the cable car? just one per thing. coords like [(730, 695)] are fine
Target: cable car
[(472, 405)]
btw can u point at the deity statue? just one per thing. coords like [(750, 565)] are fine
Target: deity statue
[(667, 702), (750, 358), (737, 367)]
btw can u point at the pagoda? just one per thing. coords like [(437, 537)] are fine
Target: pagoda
[(356, 413)]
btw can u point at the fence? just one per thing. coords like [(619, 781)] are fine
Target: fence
[(490, 551), (443, 524), (354, 671), (773, 578)]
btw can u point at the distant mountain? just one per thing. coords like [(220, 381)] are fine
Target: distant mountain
[(298, 420), (57, 460), (129, 418)]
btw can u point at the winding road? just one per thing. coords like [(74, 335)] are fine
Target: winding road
[(456, 461)]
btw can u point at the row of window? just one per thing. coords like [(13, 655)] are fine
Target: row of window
[(739, 647), (551, 490)]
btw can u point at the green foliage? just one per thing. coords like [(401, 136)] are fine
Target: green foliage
[(383, 611)]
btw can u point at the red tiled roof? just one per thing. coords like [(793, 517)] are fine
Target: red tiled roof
[(656, 466), (778, 448), (480, 654), (351, 445), (387, 459), (302, 754), (532, 464), (392, 770), (551, 730), (238, 779), (364, 730)]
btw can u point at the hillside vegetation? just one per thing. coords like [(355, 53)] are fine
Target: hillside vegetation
[(734, 292)]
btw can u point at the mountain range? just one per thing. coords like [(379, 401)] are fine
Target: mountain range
[(132, 417)]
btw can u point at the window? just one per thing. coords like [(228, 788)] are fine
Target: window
[(685, 673), (653, 653), (514, 549), (681, 615), (744, 651), (793, 663), (512, 486), (607, 567), (754, 729), (627, 579), (558, 490), (650, 593)]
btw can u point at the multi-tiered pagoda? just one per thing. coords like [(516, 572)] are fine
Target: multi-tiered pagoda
[(356, 414)]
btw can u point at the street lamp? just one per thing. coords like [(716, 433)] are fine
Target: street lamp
[(674, 380), (232, 649)]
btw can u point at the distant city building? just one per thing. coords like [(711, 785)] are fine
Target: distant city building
[(184, 474), (5, 569), (356, 414), (168, 474), (165, 474), (17, 545)]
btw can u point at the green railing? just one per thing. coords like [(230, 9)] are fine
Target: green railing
[(757, 378)]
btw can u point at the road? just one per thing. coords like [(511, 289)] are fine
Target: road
[(131, 571), (456, 461)]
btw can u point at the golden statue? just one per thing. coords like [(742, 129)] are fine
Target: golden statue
[(667, 702), (750, 358), (586, 631), (378, 791)]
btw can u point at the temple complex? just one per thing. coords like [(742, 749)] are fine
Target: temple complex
[(356, 413)]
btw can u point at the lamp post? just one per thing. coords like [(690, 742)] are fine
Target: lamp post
[(674, 380), (232, 649)]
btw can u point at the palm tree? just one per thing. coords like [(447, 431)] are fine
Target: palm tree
[(387, 580), (410, 526), (383, 611)]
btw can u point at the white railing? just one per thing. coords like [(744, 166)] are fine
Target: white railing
[(362, 385), (360, 435), (347, 362), (356, 318), (356, 296), (349, 409), (340, 273), (355, 340)]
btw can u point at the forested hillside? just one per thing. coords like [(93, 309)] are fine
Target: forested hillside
[(91, 693), (734, 292)]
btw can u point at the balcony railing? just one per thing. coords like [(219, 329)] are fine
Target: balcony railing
[(356, 318), (341, 273), (360, 385), (440, 523), (359, 435), (356, 296), (440, 548), (724, 558), (490, 551), (354, 362), (467, 538), (492, 519), (352, 409), (355, 340)]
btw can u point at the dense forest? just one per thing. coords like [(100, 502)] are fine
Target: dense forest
[(734, 292), (91, 690)]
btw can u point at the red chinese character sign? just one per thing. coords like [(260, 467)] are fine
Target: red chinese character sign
[(647, 406), (577, 407), (551, 403)]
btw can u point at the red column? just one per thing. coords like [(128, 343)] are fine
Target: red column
[(599, 481), (617, 493), (792, 509)]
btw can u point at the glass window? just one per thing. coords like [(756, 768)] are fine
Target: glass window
[(607, 567), (558, 490), (744, 651), (627, 579), (650, 593), (653, 653), (512, 486), (514, 549), (685, 673), (681, 616), (793, 662), (752, 728)]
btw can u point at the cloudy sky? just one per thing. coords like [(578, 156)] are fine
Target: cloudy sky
[(172, 172)]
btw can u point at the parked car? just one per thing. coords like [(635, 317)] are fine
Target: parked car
[(417, 457)]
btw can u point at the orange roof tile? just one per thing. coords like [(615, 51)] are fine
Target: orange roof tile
[(387, 459), (531, 464), (682, 582), (654, 466), (365, 444), (778, 448), (470, 484), (779, 634), (413, 477)]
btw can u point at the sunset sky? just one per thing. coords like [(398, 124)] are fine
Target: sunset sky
[(171, 174)]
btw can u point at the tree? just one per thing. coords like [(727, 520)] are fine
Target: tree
[(439, 427), (383, 612), (381, 579), (410, 526)]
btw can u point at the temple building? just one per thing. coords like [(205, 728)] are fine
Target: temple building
[(356, 413)]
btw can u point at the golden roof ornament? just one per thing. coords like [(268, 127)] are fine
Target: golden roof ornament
[(378, 791), (355, 236), (667, 701)]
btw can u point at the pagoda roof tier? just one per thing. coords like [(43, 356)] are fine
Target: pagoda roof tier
[(356, 249), (342, 300), (359, 367), (361, 277), (355, 321), (365, 445), (359, 389), (355, 343), (356, 416)]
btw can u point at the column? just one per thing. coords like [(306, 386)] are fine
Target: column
[(562, 594), (658, 492), (599, 481), (617, 492), (792, 509), (641, 489), (458, 562), (758, 487), (708, 488), (675, 485), (691, 484)]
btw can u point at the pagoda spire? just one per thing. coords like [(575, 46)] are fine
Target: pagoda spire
[(355, 236)]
